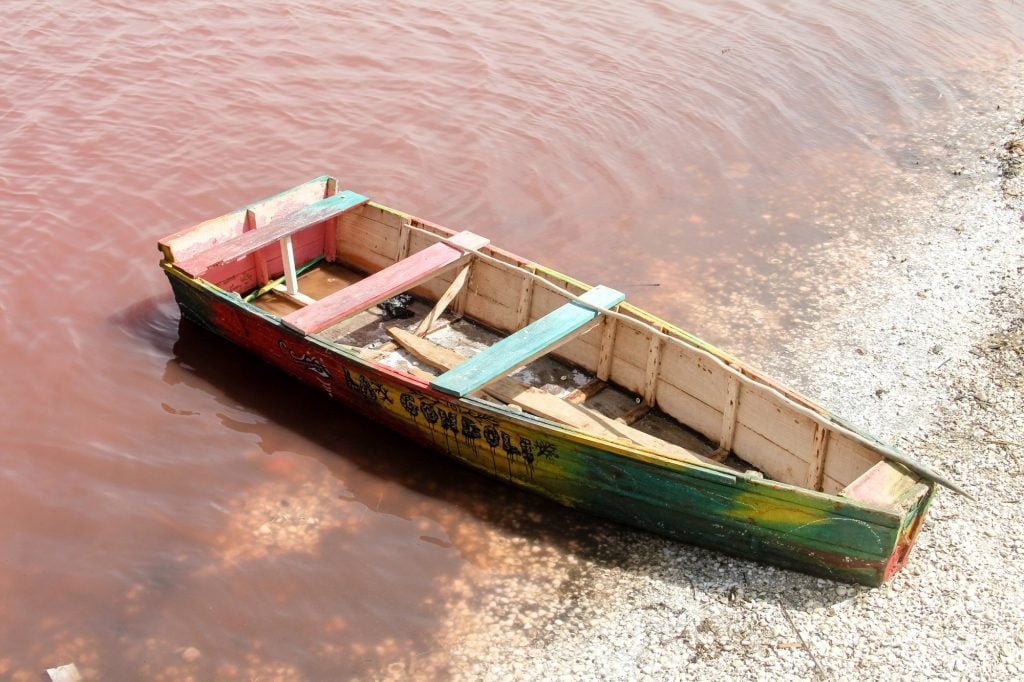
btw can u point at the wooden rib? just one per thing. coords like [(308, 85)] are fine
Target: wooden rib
[(404, 239), (607, 352), (446, 298), (525, 302), (732, 406), (331, 227), (459, 306), (543, 404), (298, 297), (258, 259), (651, 373), (586, 391), (819, 453), (635, 414)]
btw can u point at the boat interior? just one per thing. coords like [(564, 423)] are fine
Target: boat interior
[(472, 319)]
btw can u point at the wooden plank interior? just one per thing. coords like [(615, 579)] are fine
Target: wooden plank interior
[(543, 404), (686, 409), (771, 419), (776, 462), (369, 238), (682, 367), (688, 387), (383, 284), (847, 460)]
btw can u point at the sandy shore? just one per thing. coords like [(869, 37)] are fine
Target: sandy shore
[(928, 352)]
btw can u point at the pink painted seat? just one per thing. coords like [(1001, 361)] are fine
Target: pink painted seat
[(406, 274)]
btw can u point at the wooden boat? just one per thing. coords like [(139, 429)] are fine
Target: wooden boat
[(535, 378)]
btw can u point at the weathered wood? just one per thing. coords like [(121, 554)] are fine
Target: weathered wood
[(331, 226), (682, 367), (442, 303), (753, 380), (247, 242), (684, 408), (586, 391), (541, 403), (404, 237), (192, 240), (770, 417), (773, 460), (382, 285), (819, 455), (527, 344), (847, 461), (635, 414), (607, 352), (490, 313), (459, 305), (258, 259), (362, 239), (732, 403), (651, 372), (525, 302), (882, 484)]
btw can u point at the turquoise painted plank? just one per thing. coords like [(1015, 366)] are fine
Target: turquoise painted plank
[(512, 351)]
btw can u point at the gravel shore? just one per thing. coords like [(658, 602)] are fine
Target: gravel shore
[(929, 354)]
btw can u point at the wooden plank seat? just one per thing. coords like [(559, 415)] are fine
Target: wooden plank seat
[(403, 275), (276, 230), (536, 339)]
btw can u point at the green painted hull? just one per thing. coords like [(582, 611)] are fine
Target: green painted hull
[(740, 514)]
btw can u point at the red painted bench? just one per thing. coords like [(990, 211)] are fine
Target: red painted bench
[(248, 242), (406, 274)]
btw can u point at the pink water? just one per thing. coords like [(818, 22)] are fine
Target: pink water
[(168, 507)]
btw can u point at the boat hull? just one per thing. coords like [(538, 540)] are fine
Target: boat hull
[(736, 513)]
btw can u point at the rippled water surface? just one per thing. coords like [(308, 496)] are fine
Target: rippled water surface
[(169, 507)]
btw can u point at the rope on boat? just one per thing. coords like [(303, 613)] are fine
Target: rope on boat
[(885, 451)]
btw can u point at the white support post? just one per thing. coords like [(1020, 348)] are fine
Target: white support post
[(291, 280)]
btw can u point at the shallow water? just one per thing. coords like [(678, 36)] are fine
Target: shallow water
[(168, 507)]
